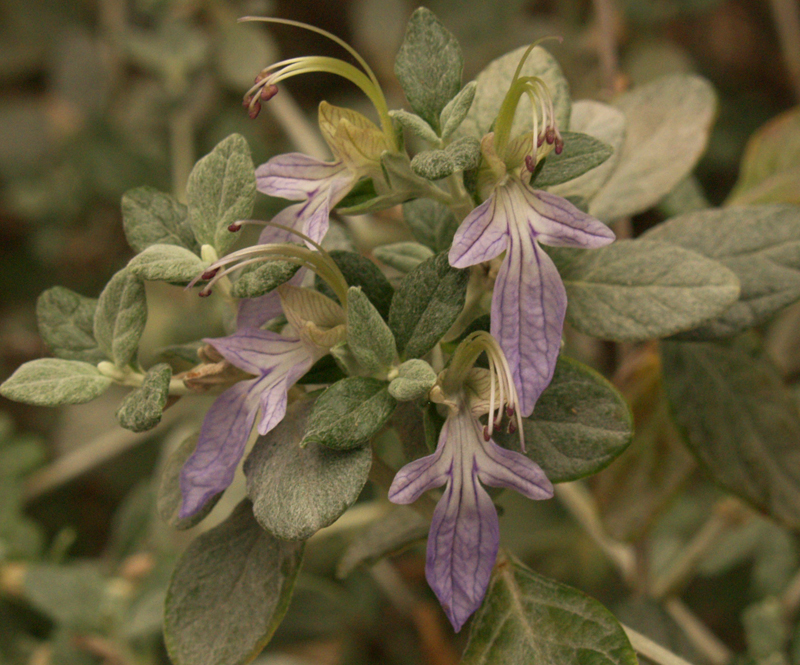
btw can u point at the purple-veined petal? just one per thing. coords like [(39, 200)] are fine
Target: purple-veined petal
[(528, 307), (499, 467), (256, 351), (421, 475), (481, 236), (223, 437), (295, 176), (272, 234), (255, 312), (462, 543), (274, 397), (558, 223)]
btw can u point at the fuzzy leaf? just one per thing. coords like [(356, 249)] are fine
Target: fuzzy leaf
[(142, 408), (296, 491), (120, 317), (527, 618), (740, 420), (635, 290), (349, 413), (579, 426), (460, 155), (360, 271), (414, 379), (416, 125), (52, 382), (263, 278), (403, 256), (167, 263), (431, 222), (428, 66), (427, 303), (221, 190), (760, 244), (668, 122), (456, 110), (368, 337), (581, 153), (66, 324), (54, 589), (230, 590), (150, 217)]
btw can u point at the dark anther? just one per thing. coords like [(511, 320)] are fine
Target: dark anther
[(529, 163), (204, 293), (209, 274), (254, 110), (559, 146), (540, 140), (268, 92), (236, 226), (512, 427), (510, 411), (550, 135), (486, 435)]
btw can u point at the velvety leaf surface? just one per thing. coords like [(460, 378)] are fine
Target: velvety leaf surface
[(581, 153), (527, 618), (635, 290), (230, 590), (740, 420), (403, 256), (457, 108), (494, 81), (431, 222), (349, 412), (426, 304), (668, 122), (66, 324), (760, 244), (580, 424), (360, 271), (428, 65), (296, 491), (52, 382), (150, 217), (368, 337), (120, 317), (221, 190), (168, 263), (262, 278), (142, 408)]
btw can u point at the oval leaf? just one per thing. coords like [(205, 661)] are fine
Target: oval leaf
[(52, 382), (120, 317), (581, 153), (230, 590), (635, 290), (142, 408), (360, 271), (150, 217), (168, 263), (66, 324)]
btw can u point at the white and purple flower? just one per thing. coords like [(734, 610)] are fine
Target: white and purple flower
[(464, 535)]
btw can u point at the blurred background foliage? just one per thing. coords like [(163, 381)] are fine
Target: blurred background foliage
[(100, 96)]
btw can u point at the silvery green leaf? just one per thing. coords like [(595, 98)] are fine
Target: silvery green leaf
[(581, 153), (349, 413), (431, 222), (416, 125), (402, 256), (360, 271), (687, 196), (462, 154), (456, 110), (296, 491), (229, 592), (605, 123), (428, 65), (401, 178), (668, 122), (142, 408), (414, 380), (465, 153), (52, 382), (120, 317), (581, 423), (168, 498), (390, 533), (150, 217), (221, 190), (739, 419), (760, 244), (66, 324), (494, 82), (635, 290), (426, 304), (167, 263), (261, 278), (368, 337), (527, 618)]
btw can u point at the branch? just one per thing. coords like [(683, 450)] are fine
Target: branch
[(698, 633), (649, 649)]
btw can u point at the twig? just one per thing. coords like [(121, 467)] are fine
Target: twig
[(698, 633), (181, 148), (786, 14), (649, 649), (581, 505), (606, 14)]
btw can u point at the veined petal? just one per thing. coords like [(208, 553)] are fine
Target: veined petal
[(482, 236), (499, 467), (295, 176), (315, 318), (256, 351), (528, 307), (274, 396), (223, 437), (424, 474), (462, 543), (255, 312), (558, 223)]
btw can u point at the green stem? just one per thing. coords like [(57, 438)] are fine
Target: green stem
[(646, 647)]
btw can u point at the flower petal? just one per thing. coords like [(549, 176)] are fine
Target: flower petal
[(462, 545), (274, 397), (295, 176), (528, 307), (499, 467), (559, 223), (481, 236), (223, 438), (256, 351), (255, 312), (421, 475)]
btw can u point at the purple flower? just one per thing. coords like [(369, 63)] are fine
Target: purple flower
[(464, 534), (277, 362), (529, 300)]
